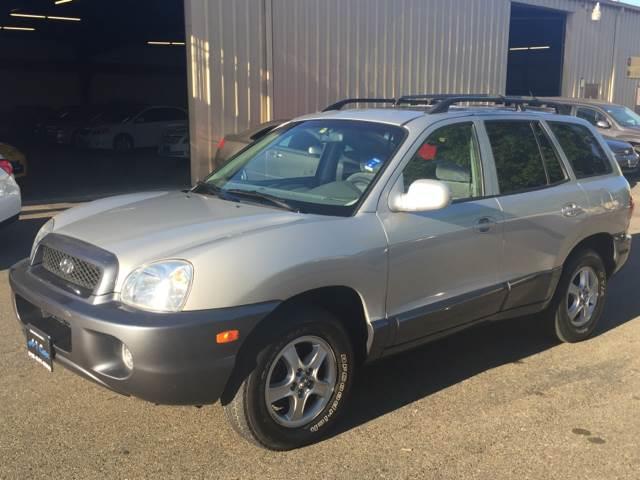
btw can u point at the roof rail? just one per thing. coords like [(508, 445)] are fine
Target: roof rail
[(432, 98), (342, 103), (442, 103)]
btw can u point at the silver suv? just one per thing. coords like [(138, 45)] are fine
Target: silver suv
[(336, 239)]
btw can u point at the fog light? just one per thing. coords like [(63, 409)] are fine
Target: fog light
[(127, 358)]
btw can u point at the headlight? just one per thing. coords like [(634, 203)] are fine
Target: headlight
[(46, 229), (159, 287)]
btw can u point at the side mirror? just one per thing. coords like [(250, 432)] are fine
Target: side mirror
[(603, 124), (423, 196)]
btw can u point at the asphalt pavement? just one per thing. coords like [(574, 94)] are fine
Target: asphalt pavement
[(502, 401)]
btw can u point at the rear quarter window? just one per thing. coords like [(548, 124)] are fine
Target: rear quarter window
[(582, 149)]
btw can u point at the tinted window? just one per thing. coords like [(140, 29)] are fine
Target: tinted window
[(582, 149), (450, 155), (517, 156), (590, 115), (552, 165)]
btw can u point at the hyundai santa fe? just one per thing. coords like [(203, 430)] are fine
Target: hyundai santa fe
[(336, 239)]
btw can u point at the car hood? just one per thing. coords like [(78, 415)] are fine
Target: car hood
[(145, 227), (618, 146)]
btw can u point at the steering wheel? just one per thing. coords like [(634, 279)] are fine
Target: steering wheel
[(360, 180)]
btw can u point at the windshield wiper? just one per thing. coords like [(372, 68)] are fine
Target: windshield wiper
[(206, 188), (253, 194)]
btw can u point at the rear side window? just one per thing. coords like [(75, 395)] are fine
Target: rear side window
[(552, 165), (517, 156), (582, 149)]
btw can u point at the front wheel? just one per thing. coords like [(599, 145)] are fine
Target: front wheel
[(299, 385), (580, 297)]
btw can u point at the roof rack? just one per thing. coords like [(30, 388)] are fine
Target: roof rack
[(429, 99), (347, 101), (442, 103)]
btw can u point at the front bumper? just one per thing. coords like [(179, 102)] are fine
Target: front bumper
[(176, 358)]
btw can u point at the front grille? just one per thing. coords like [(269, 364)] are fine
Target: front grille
[(627, 161), (70, 268)]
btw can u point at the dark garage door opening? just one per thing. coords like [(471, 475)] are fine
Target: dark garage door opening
[(536, 50), (94, 95)]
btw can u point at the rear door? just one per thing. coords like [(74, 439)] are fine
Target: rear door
[(543, 207), (606, 189)]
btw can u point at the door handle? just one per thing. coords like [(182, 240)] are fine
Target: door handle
[(571, 210), (484, 224)]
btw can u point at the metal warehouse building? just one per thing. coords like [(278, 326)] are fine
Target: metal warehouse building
[(254, 60)]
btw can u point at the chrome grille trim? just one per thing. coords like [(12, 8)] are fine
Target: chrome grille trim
[(81, 273), (99, 268)]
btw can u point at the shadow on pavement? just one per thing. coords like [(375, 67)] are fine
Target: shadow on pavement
[(16, 240), (392, 383)]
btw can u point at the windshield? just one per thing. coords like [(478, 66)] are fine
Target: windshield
[(316, 166), (624, 116)]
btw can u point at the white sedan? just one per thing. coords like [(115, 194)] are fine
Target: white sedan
[(10, 199), (123, 129)]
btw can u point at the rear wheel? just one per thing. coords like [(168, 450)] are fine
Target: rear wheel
[(299, 385), (580, 297)]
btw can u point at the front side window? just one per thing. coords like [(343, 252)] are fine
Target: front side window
[(582, 149), (449, 155), (590, 115), (517, 157), (315, 166)]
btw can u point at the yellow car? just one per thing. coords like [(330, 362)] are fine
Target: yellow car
[(16, 158)]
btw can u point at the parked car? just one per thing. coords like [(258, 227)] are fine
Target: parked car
[(615, 121), (64, 127), (268, 283), (626, 156), (127, 127), (16, 158), (10, 199), (24, 123), (231, 144), (175, 143)]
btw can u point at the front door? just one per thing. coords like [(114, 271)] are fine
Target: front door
[(443, 265)]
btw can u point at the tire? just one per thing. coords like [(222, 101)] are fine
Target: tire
[(123, 143), (267, 417), (580, 297)]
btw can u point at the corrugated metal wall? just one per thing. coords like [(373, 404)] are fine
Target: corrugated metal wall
[(331, 49), (252, 60), (597, 51), (228, 90)]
